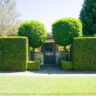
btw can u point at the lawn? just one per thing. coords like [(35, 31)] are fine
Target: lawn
[(47, 86)]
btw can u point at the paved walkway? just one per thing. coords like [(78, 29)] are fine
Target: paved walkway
[(49, 71)]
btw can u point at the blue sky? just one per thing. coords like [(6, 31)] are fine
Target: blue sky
[(47, 11)]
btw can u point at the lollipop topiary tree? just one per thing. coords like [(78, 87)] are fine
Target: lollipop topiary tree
[(65, 29), (35, 31)]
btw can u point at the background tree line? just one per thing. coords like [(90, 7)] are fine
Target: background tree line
[(9, 18)]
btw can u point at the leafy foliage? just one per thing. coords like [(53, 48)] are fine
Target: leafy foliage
[(13, 53), (84, 53), (9, 20), (35, 31), (34, 65), (88, 17), (65, 29), (66, 65)]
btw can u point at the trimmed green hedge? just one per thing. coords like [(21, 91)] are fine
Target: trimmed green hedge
[(13, 53), (34, 65), (84, 53), (66, 65)]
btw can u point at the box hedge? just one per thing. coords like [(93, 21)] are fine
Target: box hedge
[(13, 53), (34, 65), (84, 53), (66, 65)]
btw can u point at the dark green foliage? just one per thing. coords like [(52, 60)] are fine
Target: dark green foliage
[(66, 65), (65, 29), (34, 65), (13, 53), (88, 17), (84, 53), (35, 31)]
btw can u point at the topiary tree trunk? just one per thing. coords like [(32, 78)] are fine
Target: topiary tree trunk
[(33, 53), (65, 53)]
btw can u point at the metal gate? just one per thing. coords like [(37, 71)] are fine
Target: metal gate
[(49, 58), (49, 53)]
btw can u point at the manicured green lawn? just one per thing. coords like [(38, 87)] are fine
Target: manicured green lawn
[(47, 86)]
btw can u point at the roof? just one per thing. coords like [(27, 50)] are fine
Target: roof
[(49, 38)]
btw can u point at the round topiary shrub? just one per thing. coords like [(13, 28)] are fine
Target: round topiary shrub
[(35, 31), (65, 29)]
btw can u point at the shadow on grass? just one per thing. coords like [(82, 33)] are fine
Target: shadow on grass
[(48, 69), (48, 94)]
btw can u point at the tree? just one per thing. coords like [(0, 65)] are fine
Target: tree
[(65, 29), (88, 17), (35, 31), (8, 17)]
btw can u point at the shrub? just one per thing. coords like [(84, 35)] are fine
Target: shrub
[(13, 53), (84, 53), (66, 65), (34, 65)]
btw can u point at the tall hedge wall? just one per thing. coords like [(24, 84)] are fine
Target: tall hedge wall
[(13, 53), (84, 53)]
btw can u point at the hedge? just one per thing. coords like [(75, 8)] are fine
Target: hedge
[(66, 65), (13, 53), (84, 53), (34, 65)]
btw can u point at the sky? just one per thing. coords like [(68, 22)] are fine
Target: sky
[(48, 11)]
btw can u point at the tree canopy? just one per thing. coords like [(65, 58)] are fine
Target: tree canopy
[(65, 29), (35, 31), (88, 17), (8, 18)]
